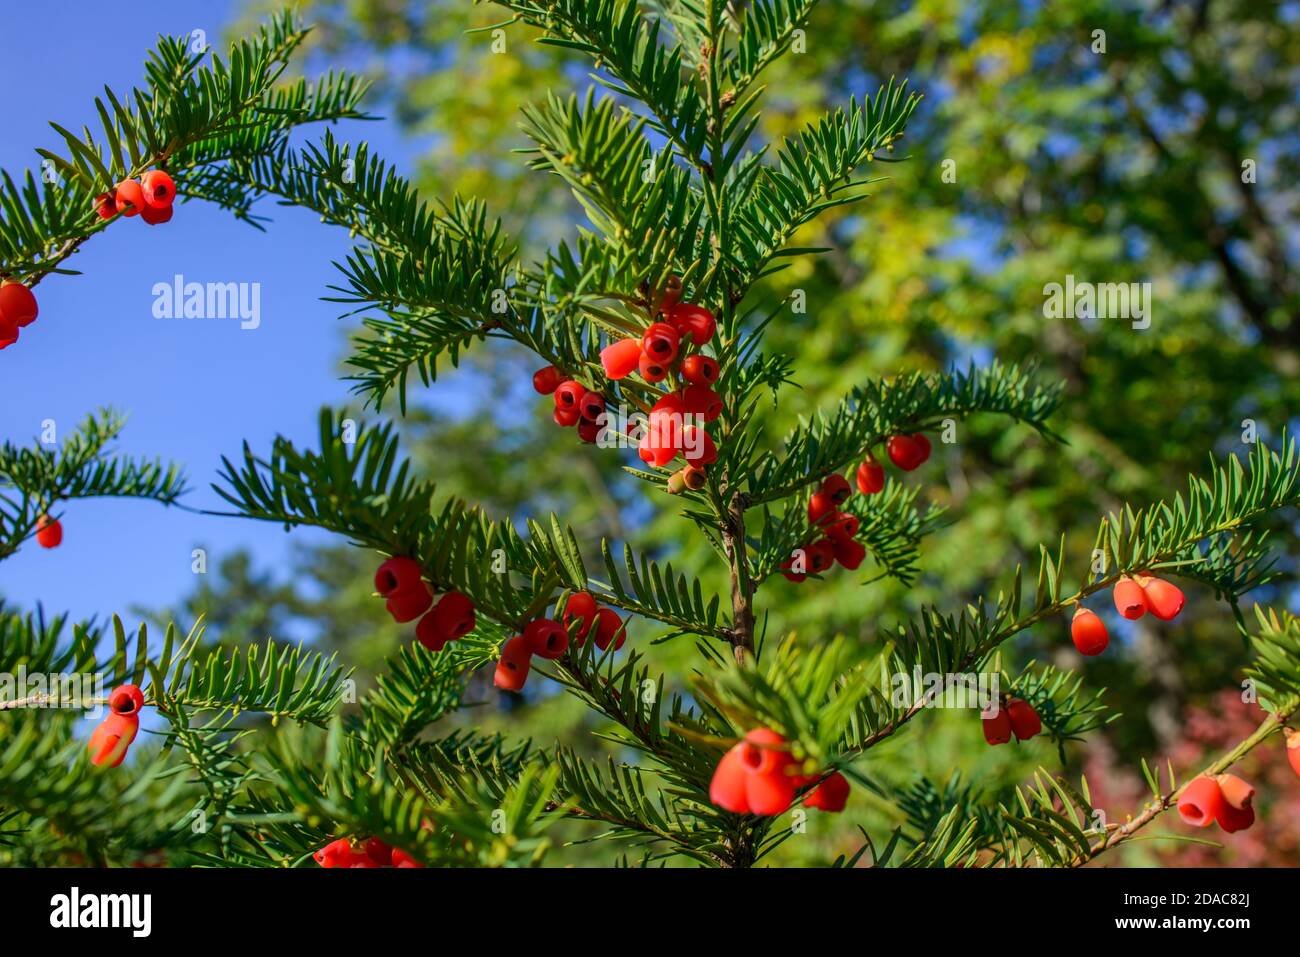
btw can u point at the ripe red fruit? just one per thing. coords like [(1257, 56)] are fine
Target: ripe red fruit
[(692, 320), (429, 634), (849, 552), (836, 488), (727, 789), (454, 615), (409, 604), (821, 556), (652, 370), (1201, 802), (904, 452), (1088, 632), (566, 417), (106, 205), (158, 189), (512, 669), (568, 395), (580, 608), (702, 401), (546, 638), (1025, 722), (795, 567), (129, 197), (871, 477), (126, 699), (1163, 599), (821, 508), (609, 624), (547, 379), (701, 370), (592, 406), (697, 446), (17, 304), (379, 852), (841, 525), (923, 446), (620, 359), (769, 787), (997, 727), (831, 795), (655, 453), (661, 342), (402, 859), (339, 853), (112, 738), (49, 533), (397, 574), (155, 215), (1130, 599), (588, 431), (1292, 749)]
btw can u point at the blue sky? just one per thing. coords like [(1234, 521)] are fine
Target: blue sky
[(193, 391)]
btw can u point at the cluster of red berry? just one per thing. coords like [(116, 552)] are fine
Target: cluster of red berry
[(1224, 798), (346, 852), (1134, 597), (1014, 716), (575, 404), (17, 309), (112, 738), (547, 638), (400, 581), (150, 198), (758, 776)]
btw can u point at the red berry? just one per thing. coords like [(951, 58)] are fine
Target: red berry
[(588, 431), (654, 453), (49, 533), (702, 401), (1201, 802), (836, 488), (429, 634), (580, 608), (402, 859), (156, 215), (620, 359), (338, 853), (904, 452), (106, 205), (592, 406), (652, 370), (727, 789), (769, 787), (841, 525), (546, 638), (1088, 632), (701, 370), (397, 574), (661, 343), (609, 624), (379, 852), (848, 552), (566, 417), (692, 320), (126, 699), (697, 446), (923, 446), (547, 379), (129, 197), (158, 189), (1130, 599), (1292, 749), (409, 604), (512, 669), (454, 615), (1025, 722), (1163, 599), (17, 304), (997, 727), (568, 395), (821, 556), (795, 567), (831, 795)]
